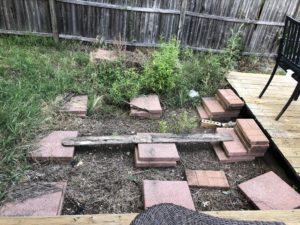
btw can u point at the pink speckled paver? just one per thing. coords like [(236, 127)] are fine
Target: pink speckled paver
[(202, 113), (158, 152), (176, 192), (235, 147), (144, 114), (77, 105), (51, 148), (149, 102), (144, 164), (48, 204), (223, 158), (231, 100), (270, 192), (206, 178)]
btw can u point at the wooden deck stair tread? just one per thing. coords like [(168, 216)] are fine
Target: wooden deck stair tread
[(289, 217)]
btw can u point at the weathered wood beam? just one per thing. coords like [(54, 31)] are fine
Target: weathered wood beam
[(146, 138), (289, 217)]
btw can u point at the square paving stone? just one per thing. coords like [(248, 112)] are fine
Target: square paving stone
[(145, 164), (206, 178), (223, 158), (212, 106), (230, 99), (49, 203), (158, 152), (144, 114), (202, 113), (176, 192), (235, 147), (51, 148), (149, 102), (77, 105), (251, 132), (270, 192)]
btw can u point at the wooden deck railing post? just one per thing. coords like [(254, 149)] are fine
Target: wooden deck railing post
[(53, 20), (181, 20)]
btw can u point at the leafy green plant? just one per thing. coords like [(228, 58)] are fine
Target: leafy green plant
[(163, 126), (180, 124), (161, 73), (125, 87)]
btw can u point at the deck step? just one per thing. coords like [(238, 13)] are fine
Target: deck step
[(229, 100), (215, 110)]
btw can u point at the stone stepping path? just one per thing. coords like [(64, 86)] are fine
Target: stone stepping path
[(206, 178), (156, 155), (51, 148), (77, 106), (146, 107), (49, 203), (176, 192), (270, 192), (226, 105)]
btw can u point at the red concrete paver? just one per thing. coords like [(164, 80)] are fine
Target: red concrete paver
[(176, 192), (270, 192), (48, 204), (149, 102), (202, 113), (235, 147), (77, 105), (207, 178), (257, 150), (251, 132), (144, 164), (144, 114), (212, 106), (51, 148), (223, 158), (231, 100), (158, 152)]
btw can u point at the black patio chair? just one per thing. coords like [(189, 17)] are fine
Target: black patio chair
[(288, 58)]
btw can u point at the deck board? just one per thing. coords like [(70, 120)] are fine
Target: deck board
[(289, 217), (285, 133)]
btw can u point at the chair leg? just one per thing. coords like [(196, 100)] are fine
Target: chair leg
[(269, 81), (293, 97)]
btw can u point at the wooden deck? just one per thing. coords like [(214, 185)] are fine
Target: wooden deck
[(289, 217), (285, 133)]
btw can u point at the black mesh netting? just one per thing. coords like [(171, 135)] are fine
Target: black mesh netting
[(170, 214)]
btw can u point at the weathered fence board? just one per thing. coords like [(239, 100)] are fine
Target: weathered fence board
[(202, 25)]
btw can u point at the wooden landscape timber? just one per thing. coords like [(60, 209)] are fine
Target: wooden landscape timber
[(289, 217), (200, 25), (146, 138)]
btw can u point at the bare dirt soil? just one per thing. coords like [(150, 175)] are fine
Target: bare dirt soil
[(104, 180)]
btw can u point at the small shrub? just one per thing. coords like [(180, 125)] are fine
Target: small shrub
[(163, 127), (125, 87), (161, 72)]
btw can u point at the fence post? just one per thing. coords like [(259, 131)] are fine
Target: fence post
[(53, 20), (181, 20)]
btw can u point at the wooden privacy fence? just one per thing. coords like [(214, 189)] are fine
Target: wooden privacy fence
[(199, 24)]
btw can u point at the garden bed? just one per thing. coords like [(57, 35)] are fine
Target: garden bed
[(104, 180)]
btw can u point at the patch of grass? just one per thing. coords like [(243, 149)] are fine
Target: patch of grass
[(32, 71)]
